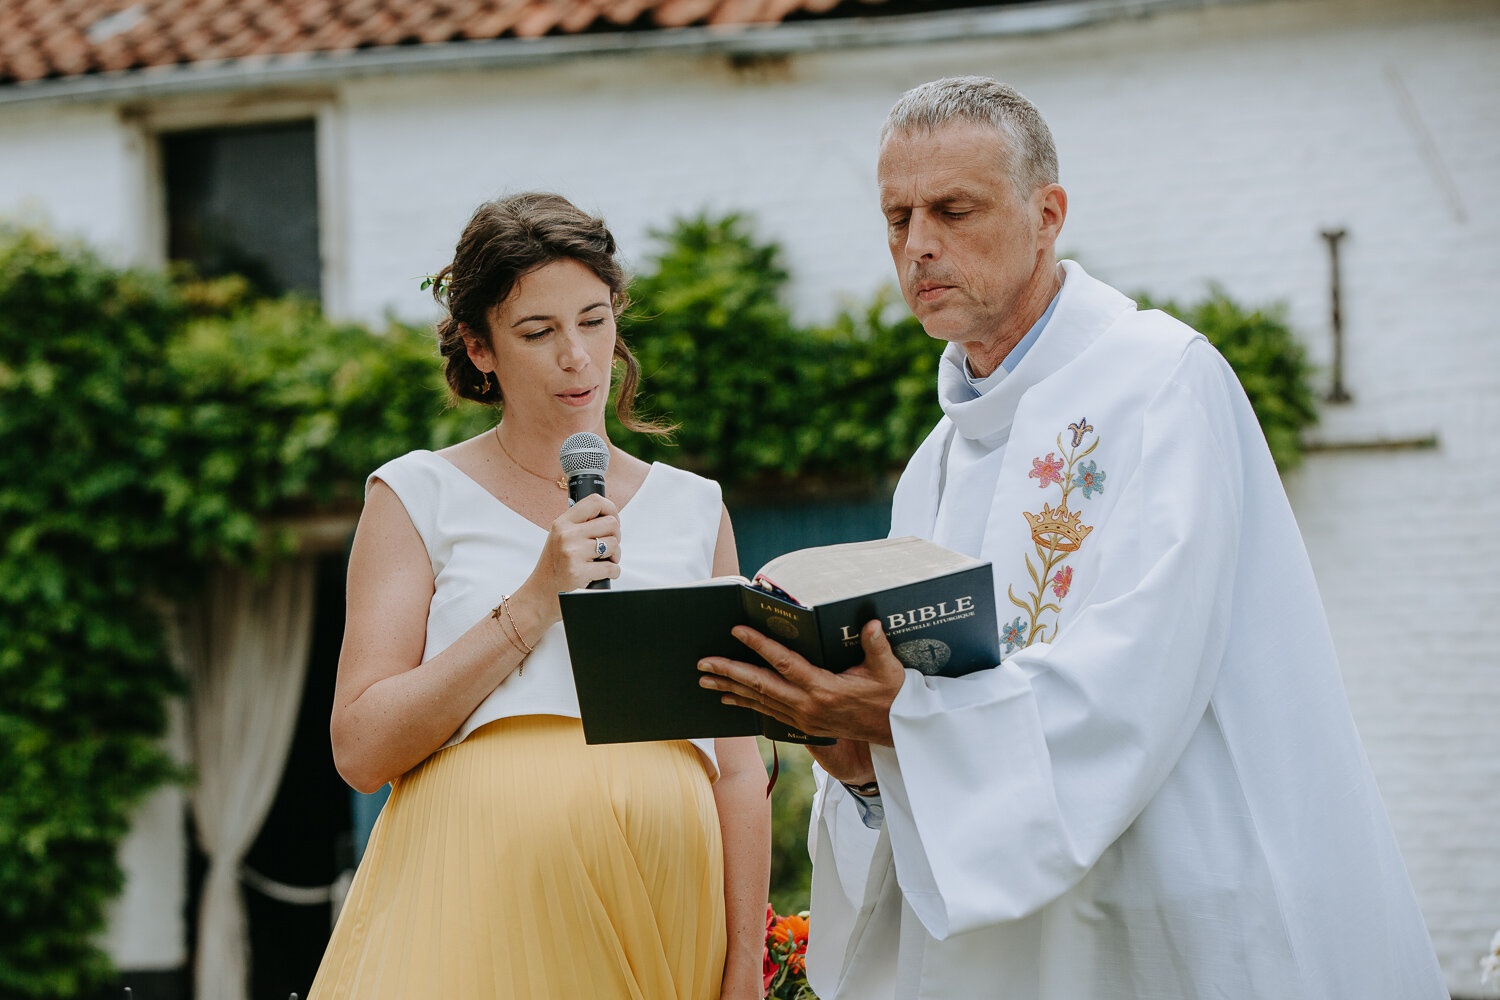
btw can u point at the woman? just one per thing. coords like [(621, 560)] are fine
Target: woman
[(511, 859)]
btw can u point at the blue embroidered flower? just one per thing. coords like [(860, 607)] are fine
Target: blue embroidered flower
[(1079, 430), (1090, 477), (1013, 634)]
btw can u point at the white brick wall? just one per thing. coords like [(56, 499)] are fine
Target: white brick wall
[(1199, 146)]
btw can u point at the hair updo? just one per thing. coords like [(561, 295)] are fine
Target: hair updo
[(504, 241)]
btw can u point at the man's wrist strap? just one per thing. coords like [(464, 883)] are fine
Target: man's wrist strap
[(868, 790)]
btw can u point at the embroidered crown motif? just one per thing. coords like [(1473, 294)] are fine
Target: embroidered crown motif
[(1057, 532), (1057, 529)]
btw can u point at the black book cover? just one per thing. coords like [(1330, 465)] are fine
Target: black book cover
[(635, 653), (945, 625), (635, 662)]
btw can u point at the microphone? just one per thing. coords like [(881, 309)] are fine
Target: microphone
[(585, 457)]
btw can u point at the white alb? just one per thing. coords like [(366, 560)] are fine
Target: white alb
[(1163, 796)]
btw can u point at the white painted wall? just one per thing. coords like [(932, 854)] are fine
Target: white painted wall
[(147, 925), (1199, 146), (79, 172)]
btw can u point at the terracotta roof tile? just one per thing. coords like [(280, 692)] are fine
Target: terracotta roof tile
[(330, 36), (278, 34), (736, 12), (626, 11), (461, 12), (51, 38), (116, 53), (425, 12), (578, 17), (437, 30), (536, 19), (677, 13), (154, 50), (777, 10), (227, 23), (496, 21), (29, 65)]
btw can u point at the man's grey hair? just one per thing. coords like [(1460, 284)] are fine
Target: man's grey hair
[(1030, 153)]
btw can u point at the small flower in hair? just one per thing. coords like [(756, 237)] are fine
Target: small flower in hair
[(443, 283)]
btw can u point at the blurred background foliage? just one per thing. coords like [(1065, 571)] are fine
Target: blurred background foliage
[(152, 425), (761, 402)]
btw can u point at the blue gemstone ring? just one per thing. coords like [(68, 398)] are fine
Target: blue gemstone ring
[(600, 548)]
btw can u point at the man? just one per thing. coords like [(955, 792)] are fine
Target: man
[(1159, 792)]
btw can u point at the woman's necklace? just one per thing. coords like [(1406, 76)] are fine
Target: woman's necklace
[(561, 482)]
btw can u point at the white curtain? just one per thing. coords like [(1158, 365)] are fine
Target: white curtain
[(244, 643)]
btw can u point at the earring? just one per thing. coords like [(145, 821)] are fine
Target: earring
[(484, 387)]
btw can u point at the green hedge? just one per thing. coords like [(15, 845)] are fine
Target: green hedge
[(150, 428), (146, 429), (83, 678)]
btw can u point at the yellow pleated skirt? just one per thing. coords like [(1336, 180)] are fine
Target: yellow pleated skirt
[(524, 863)]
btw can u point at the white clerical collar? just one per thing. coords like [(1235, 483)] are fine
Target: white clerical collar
[(1085, 308), (982, 384)]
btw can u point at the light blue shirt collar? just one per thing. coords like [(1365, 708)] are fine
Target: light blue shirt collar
[(984, 384)]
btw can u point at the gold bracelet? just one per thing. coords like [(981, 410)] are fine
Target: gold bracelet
[(505, 604), (523, 647), (510, 638)]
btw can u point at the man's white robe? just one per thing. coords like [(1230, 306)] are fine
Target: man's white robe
[(1164, 796)]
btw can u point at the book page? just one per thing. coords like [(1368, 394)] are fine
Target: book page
[(713, 581), (826, 573)]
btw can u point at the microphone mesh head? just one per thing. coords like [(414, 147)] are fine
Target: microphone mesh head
[(584, 452)]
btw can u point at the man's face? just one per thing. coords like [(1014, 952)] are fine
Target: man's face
[(966, 245)]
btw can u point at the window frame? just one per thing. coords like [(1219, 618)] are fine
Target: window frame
[(147, 124)]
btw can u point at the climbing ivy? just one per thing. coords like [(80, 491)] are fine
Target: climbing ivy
[(147, 429)]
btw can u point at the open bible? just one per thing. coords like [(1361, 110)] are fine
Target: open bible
[(635, 652)]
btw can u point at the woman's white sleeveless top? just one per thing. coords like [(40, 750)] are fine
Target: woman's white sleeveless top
[(480, 549)]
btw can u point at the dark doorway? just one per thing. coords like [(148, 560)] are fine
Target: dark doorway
[(245, 201), (305, 841)]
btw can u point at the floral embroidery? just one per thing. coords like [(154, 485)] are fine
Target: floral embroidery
[(1057, 532), (1090, 478), (1048, 470), (1013, 634), (1062, 582)]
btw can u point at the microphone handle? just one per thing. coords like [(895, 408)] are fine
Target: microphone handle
[(586, 484)]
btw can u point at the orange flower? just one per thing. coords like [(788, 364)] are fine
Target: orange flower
[(791, 929)]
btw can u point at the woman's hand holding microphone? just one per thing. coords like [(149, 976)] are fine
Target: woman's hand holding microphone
[(583, 545)]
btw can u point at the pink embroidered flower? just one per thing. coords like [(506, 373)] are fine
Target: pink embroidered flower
[(1048, 470), (1062, 582)]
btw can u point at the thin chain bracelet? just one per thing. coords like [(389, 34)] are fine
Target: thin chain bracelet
[(523, 647)]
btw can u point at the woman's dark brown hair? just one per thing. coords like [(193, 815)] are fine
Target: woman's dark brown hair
[(504, 241)]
